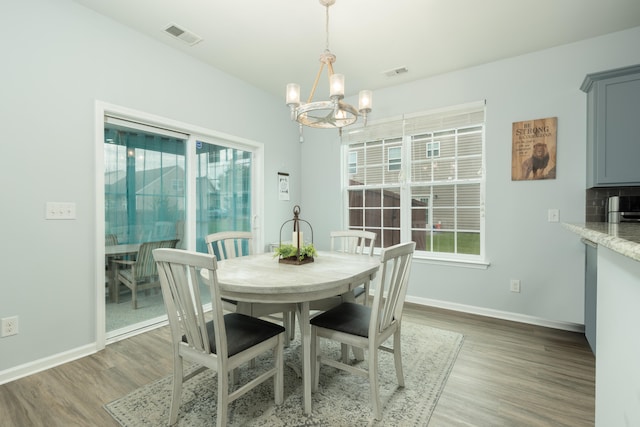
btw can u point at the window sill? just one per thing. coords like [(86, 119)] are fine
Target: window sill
[(451, 262)]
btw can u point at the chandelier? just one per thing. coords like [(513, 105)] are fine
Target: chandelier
[(327, 114)]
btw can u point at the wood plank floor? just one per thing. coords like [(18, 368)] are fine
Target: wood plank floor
[(507, 374)]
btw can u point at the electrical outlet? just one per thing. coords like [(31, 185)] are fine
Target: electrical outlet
[(9, 326), (515, 285)]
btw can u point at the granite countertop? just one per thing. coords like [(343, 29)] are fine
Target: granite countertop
[(623, 238)]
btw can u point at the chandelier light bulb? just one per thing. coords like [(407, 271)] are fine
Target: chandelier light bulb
[(365, 101), (336, 86), (293, 94)]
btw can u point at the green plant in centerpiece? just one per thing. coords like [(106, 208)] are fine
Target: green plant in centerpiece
[(290, 251)]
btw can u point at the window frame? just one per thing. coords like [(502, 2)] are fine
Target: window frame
[(405, 184)]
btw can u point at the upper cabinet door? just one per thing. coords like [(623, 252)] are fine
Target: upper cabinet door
[(613, 117)]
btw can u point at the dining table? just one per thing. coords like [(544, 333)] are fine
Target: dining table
[(113, 252), (261, 278)]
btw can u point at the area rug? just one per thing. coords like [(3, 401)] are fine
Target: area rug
[(342, 399)]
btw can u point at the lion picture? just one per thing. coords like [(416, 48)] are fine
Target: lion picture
[(539, 165), (534, 150)]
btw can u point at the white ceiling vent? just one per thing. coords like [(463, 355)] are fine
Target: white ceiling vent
[(186, 36), (396, 71)]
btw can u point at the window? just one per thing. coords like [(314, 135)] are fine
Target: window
[(430, 186), (395, 158), (353, 162), (433, 149)]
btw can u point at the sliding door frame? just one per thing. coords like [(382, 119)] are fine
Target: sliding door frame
[(195, 134)]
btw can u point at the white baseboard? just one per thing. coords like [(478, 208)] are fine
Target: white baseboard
[(68, 356), (504, 315), (40, 365)]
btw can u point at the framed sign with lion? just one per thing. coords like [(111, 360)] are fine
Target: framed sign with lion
[(534, 149)]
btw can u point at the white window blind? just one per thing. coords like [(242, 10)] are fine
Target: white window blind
[(435, 197)]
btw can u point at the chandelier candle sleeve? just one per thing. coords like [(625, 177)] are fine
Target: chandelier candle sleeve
[(337, 86), (365, 101), (293, 94)]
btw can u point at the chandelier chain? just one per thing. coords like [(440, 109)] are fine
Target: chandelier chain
[(326, 27)]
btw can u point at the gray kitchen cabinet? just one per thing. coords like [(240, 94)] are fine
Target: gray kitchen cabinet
[(613, 117)]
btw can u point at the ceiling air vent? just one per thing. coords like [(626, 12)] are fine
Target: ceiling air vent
[(396, 71), (186, 36)]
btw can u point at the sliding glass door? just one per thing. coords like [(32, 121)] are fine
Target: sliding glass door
[(166, 188), (223, 190), (145, 200), (144, 185)]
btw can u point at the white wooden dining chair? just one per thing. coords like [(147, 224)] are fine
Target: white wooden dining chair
[(355, 242), (221, 344), (140, 274), (368, 327), (232, 244)]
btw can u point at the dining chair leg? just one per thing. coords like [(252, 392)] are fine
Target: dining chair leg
[(397, 357), (291, 325), (373, 384), (235, 378), (286, 322), (278, 379), (176, 396), (134, 299), (223, 398), (345, 349), (315, 363)]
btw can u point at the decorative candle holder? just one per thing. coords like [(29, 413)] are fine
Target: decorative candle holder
[(297, 252)]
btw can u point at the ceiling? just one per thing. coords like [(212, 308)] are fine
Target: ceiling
[(271, 43)]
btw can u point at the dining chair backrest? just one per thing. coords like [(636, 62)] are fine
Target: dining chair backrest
[(145, 267), (234, 244), (230, 244), (353, 241), (110, 240), (164, 230), (179, 273), (391, 286)]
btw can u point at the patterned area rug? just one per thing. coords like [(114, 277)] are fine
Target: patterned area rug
[(342, 399)]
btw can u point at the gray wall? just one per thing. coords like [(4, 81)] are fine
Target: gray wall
[(520, 243), (58, 58)]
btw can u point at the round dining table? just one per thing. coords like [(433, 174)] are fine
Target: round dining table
[(261, 278)]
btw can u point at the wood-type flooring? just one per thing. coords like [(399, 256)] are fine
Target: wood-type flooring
[(507, 374)]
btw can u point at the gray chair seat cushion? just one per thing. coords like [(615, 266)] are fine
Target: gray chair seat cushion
[(243, 332), (347, 317)]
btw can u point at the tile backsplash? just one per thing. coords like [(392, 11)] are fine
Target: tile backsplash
[(596, 200)]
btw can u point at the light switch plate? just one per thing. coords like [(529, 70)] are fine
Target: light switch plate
[(60, 210), (554, 215)]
